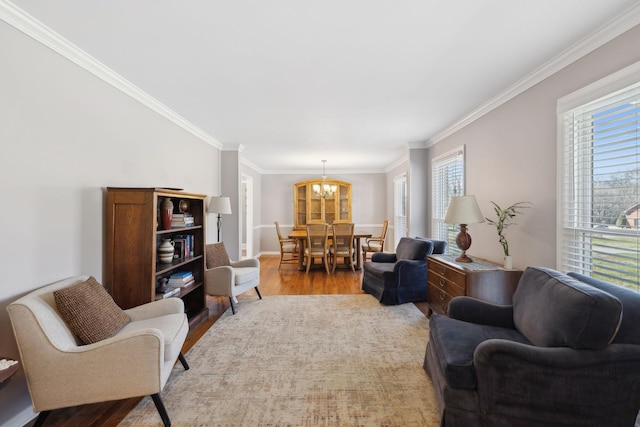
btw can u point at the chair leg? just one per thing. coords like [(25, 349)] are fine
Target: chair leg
[(233, 306), (182, 360), (41, 417), (161, 409), (258, 292)]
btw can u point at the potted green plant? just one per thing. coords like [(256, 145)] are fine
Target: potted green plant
[(505, 218)]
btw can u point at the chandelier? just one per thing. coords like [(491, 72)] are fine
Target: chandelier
[(324, 190)]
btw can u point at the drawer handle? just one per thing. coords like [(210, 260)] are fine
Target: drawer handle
[(442, 283), (442, 296), (443, 270)]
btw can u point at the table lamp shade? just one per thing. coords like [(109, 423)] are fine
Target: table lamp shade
[(463, 210), (219, 205)]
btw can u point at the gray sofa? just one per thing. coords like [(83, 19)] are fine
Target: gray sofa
[(401, 277), (566, 353)]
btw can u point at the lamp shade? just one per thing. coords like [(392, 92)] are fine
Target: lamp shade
[(463, 210), (219, 205)]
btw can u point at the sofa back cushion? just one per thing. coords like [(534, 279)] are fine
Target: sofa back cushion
[(439, 246), (552, 309), (414, 249), (629, 332)]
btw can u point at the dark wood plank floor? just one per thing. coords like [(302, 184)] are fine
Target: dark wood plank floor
[(273, 281)]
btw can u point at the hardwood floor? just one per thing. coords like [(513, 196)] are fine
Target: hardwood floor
[(273, 281)]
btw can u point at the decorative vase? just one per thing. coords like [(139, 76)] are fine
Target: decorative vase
[(508, 264), (166, 213), (165, 251)]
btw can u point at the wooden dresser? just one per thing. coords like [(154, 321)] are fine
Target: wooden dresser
[(480, 279)]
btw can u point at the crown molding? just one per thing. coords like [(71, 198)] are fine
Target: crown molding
[(607, 32), (35, 29)]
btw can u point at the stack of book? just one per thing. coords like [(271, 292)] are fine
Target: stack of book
[(166, 292), (183, 219), (181, 279)]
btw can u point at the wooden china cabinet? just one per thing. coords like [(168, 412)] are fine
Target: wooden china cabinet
[(321, 200)]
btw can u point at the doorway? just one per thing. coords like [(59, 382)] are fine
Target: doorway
[(247, 216)]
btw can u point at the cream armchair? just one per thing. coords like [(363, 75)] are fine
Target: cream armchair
[(223, 277), (61, 372)]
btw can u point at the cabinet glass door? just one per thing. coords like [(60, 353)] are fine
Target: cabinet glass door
[(301, 205), (343, 202)]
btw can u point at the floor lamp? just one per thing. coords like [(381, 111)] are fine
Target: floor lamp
[(463, 210), (220, 205)]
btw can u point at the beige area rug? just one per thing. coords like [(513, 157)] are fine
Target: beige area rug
[(321, 360)]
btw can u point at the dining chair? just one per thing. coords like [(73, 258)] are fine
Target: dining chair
[(375, 243), (288, 247), (317, 245), (342, 245)]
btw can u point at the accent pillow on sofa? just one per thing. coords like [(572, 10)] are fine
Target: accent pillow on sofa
[(217, 255), (90, 312)]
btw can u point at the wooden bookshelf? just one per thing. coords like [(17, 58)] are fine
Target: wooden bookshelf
[(134, 231)]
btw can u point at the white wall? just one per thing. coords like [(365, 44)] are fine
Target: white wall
[(511, 156), (65, 135)]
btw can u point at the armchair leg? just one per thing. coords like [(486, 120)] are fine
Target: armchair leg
[(233, 306), (161, 409), (258, 292), (41, 417), (182, 360)]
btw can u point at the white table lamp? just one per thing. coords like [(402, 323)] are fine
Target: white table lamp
[(463, 210)]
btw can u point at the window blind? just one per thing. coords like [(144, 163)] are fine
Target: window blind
[(600, 187), (447, 181)]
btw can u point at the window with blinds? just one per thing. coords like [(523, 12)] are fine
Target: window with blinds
[(400, 208), (447, 181), (599, 204)]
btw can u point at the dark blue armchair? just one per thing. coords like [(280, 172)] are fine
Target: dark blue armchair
[(401, 277)]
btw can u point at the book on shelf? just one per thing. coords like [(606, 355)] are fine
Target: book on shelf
[(181, 279), (180, 220), (167, 292), (179, 285), (181, 275), (187, 246)]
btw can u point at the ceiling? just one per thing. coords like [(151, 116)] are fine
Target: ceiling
[(354, 82)]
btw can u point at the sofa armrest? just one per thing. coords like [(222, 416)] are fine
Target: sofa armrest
[(474, 310), (156, 308), (409, 264), (249, 262), (383, 257), (219, 280), (595, 385), (408, 272)]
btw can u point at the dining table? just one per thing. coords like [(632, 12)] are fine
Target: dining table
[(301, 236)]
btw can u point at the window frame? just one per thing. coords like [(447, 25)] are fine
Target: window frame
[(577, 234), (441, 196)]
